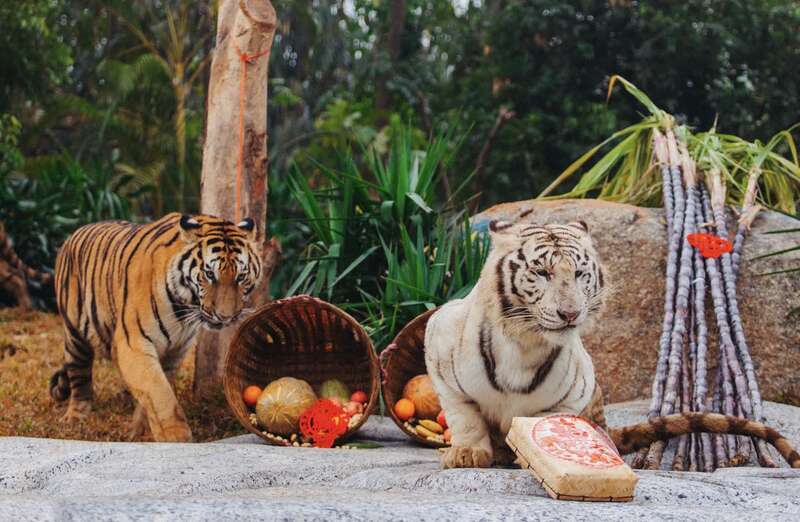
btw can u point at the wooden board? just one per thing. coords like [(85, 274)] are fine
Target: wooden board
[(571, 458)]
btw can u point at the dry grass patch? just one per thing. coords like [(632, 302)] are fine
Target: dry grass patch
[(31, 349)]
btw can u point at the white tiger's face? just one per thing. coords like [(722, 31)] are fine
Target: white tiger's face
[(549, 279)]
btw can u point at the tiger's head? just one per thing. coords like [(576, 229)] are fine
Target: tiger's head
[(548, 278), (218, 270)]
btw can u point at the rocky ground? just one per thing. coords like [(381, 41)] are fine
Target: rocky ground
[(244, 479)]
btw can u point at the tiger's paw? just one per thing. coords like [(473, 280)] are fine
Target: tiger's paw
[(138, 424), (77, 411), (466, 457), (175, 433)]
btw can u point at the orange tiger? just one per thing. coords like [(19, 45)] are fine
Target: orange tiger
[(138, 294)]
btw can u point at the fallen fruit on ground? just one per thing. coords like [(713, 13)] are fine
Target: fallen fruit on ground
[(404, 409), (250, 395), (282, 403), (420, 391)]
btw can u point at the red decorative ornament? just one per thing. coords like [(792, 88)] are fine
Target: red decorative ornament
[(324, 422), (710, 245)]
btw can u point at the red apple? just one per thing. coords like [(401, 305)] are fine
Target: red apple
[(359, 397), (441, 420)]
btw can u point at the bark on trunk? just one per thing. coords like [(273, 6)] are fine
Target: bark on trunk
[(393, 45), (243, 26)]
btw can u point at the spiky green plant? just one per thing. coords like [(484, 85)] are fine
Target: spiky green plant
[(620, 167), (381, 243)]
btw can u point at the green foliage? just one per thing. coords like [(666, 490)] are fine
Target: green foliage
[(789, 250), (41, 205), (33, 58), (624, 171), (377, 238), (550, 61), (10, 155)]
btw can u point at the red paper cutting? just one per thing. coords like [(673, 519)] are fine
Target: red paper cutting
[(710, 245), (324, 422), (572, 438)]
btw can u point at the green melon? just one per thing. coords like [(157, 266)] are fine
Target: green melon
[(334, 388)]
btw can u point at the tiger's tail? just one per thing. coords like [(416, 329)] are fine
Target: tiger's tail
[(59, 385), (7, 253), (631, 438)]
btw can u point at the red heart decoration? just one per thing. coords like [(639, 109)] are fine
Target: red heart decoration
[(709, 245)]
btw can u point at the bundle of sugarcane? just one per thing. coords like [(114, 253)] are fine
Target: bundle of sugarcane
[(645, 164), (694, 205)]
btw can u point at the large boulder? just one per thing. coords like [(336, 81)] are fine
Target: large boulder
[(632, 244)]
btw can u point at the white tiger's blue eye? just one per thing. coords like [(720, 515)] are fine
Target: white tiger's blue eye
[(543, 273)]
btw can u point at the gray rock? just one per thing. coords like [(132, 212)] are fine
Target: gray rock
[(244, 479), (632, 244)]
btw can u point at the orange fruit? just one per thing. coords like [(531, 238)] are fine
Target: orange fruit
[(250, 395), (404, 409)]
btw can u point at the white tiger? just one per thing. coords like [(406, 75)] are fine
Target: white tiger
[(512, 346)]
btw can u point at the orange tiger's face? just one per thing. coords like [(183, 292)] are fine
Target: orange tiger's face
[(221, 270), (549, 278)]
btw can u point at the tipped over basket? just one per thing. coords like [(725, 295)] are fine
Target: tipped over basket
[(305, 338), (403, 359)]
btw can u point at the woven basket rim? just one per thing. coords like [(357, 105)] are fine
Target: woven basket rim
[(296, 301), (385, 360)]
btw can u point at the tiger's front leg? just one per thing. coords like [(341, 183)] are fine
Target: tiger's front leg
[(471, 443), (141, 369)]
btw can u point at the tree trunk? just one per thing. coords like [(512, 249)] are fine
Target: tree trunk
[(392, 46), (243, 26)]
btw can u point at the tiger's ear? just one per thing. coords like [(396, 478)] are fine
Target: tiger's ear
[(583, 228), (504, 235), (190, 228), (580, 225), (247, 225)]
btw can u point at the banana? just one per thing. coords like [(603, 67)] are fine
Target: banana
[(432, 426), (425, 432)]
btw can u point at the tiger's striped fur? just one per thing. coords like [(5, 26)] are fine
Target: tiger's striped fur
[(512, 348), (138, 294), (15, 274)]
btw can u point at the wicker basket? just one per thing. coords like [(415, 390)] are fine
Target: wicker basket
[(305, 338), (403, 359)]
